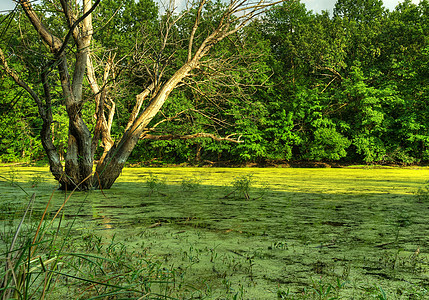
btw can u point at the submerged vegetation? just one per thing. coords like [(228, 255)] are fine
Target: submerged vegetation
[(173, 233)]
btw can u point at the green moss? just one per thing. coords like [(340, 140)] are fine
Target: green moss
[(304, 232)]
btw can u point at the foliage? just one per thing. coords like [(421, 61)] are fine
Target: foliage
[(351, 86)]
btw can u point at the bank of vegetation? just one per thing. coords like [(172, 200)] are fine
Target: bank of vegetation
[(351, 86)]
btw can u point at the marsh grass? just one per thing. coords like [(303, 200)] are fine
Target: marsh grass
[(240, 187), (190, 185), (156, 184), (44, 260), (12, 176), (422, 193), (36, 180)]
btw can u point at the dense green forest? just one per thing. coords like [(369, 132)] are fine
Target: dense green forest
[(351, 86)]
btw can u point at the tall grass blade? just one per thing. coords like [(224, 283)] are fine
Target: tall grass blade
[(10, 267)]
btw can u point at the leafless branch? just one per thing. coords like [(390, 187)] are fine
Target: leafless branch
[(192, 136), (194, 29), (53, 41), (137, 107)]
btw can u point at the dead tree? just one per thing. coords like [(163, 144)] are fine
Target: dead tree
[(82, 144)]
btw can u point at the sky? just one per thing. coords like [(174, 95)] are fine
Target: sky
[(319, 5), (314, 5)]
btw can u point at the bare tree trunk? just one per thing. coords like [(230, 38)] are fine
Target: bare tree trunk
[(55, 165), (45, 112), (109, 169), (81, 144), (79, 158)]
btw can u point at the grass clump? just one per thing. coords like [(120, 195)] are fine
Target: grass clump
[(13, 175), (43, 259), (156, 184), (190, 185), (422, 193), (241, 186), (36, 180)]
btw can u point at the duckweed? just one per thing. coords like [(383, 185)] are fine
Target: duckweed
[(312, 234)]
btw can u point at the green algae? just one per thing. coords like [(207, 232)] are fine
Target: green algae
[(350, 233)]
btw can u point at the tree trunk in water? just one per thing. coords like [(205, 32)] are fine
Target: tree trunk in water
[(52, 153), (109, 169), (79, 158)]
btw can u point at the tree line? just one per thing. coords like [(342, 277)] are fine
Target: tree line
[(277, 85)]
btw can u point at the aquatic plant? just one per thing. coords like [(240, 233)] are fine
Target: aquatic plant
[(12, 176), (381, 294), (283, 294), (322, 290), (241, 186), (355, 229), (155, 184), (422, 193), (190, 184), (42, 253), (36, 180)]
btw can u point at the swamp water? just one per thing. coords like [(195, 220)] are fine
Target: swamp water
[(302, 234)]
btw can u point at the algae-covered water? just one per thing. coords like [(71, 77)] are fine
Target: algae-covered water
[(303, 233)]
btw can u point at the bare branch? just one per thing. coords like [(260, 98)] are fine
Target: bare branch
[(192, 136), (335, 72), (70, 16), (139, 101), (163, 121), (194, 29), (87, 35), (103, 126), (231, 22), (45, 113), (54, 42)]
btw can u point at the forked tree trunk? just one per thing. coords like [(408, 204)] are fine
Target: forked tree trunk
[(79, 158), (81, 144), (109, 169)]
